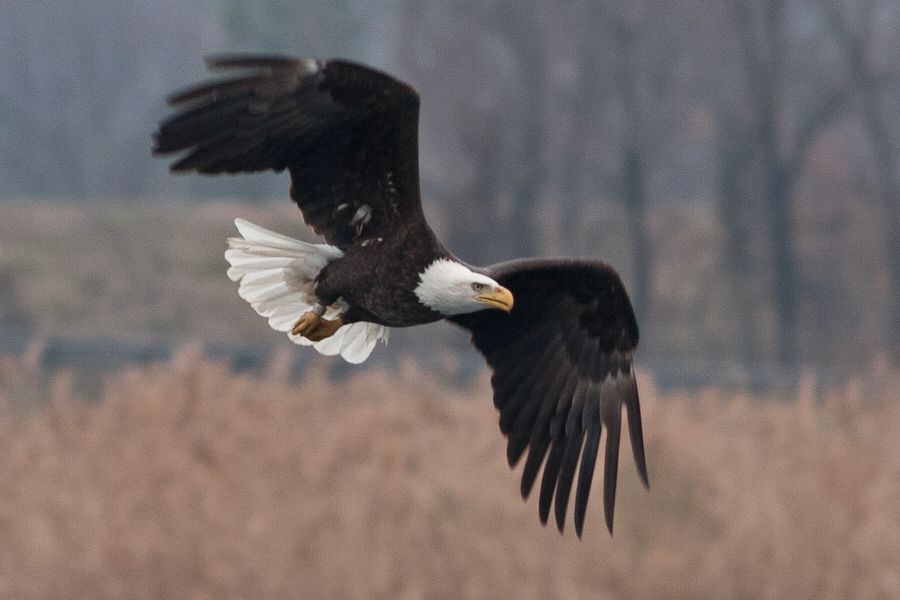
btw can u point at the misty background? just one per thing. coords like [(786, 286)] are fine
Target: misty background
[(735, 160)]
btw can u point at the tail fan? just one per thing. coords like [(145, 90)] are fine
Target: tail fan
[(277, 277)]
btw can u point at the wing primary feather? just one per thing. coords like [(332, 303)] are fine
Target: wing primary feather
[(517, 377), (574, 440), (202, 157), (635, 430), (509, 423), (600, 365), (575, 425), (216, 90), (612, 419), (508, 361), (595, 364), (511, 391), (536, 452), (575, 416), (194, 126), (567, 478), (518, 391), (227, 61), (586, 473), (548, 481), (521, 429), (540, 432)]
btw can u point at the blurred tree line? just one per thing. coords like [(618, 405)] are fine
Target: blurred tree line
[(545, 130)]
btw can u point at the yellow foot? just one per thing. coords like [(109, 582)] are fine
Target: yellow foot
[(315, 328)]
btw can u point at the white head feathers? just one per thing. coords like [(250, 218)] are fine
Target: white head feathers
[(451, 288)]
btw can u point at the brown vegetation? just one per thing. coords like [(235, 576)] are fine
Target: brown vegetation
[(186, 480)]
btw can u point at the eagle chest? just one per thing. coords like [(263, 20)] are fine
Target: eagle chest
[(379, 284)]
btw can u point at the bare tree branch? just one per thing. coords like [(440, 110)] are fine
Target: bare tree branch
[(823, 117), (865, 88)]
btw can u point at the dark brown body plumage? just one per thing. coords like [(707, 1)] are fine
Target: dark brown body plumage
[(562, 358), (377, 291)]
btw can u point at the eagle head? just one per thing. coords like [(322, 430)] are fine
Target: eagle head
[(451, 288)]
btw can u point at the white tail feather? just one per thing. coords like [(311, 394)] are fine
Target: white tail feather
[(277, 277)]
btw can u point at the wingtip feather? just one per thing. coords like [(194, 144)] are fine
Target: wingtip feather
[(635, 431), (216, 62), (610, 471)]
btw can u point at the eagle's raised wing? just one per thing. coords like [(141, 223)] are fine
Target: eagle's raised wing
[(347, 133), (562, 362)]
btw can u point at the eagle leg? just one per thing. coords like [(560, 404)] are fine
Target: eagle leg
[(315, 328)]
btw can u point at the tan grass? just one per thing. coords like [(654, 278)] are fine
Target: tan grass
[(188, 481)]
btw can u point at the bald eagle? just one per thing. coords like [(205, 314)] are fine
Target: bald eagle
[(559, 334)]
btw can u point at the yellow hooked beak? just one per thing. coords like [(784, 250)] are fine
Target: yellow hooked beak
[(500, 298)]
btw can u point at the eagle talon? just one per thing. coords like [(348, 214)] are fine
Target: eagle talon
[(306, 324), (315, 328)]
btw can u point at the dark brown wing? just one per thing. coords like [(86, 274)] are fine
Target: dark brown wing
[(347, 133), (562, 362)]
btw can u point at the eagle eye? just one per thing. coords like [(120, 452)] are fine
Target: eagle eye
[(479, 287)]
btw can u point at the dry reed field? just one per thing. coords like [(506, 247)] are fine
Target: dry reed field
[(185, 480)]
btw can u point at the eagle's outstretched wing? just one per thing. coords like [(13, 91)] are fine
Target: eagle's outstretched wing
[(562, 362), (347, 133)]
